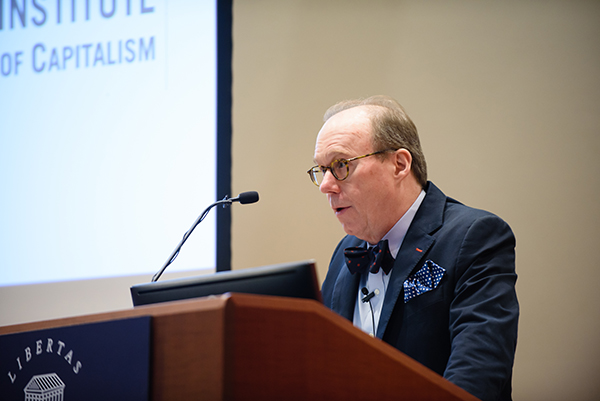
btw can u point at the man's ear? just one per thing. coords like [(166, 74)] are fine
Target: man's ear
[(402, 163)]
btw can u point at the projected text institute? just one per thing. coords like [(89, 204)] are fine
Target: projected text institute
[(15, 13)]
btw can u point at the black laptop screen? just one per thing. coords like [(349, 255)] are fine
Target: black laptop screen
[(297, 280)]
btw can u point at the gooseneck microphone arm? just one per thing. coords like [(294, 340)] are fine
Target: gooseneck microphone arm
[(243, 198)]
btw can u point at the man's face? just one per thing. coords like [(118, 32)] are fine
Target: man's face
[(360, 202)]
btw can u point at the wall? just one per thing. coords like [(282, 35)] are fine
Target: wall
[(506, 96)]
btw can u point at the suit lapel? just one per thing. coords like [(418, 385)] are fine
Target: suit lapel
[(416, 243), (345, 290), (406, 262), (345, 293)]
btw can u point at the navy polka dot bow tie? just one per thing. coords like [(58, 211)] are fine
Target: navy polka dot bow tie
[(372, 259)]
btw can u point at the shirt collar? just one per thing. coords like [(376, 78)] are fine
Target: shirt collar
[(396, 235)]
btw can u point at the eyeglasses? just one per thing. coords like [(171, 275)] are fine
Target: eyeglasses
[(340, 168)]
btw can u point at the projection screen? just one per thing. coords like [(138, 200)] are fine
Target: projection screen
[(109, 134)]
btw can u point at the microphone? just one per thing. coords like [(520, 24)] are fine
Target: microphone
[(367, 298), (367, 295), (244, 198)]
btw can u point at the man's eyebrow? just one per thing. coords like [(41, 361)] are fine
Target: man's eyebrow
[(337, 155)]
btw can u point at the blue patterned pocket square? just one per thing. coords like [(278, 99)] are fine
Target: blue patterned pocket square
[(426, 279)]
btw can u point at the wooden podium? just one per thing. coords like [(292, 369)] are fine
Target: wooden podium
[(249, 347)]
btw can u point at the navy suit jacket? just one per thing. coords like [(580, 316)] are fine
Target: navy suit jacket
[(466, 328)]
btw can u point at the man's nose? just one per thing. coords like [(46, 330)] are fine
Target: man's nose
[(329, 184)]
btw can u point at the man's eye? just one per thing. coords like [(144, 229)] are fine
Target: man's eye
[(339, 165)]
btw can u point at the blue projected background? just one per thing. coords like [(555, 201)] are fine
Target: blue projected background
[(107, 137)]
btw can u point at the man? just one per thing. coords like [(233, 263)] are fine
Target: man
[(440, 278)]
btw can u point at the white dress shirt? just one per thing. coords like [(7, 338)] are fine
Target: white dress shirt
[(378, 282)]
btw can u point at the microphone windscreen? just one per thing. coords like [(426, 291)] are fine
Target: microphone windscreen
[(248, 197)]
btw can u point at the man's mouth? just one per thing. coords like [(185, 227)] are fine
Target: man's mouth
[(338, 210)]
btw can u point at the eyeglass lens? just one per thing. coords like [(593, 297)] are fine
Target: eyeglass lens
[(339, 169)]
